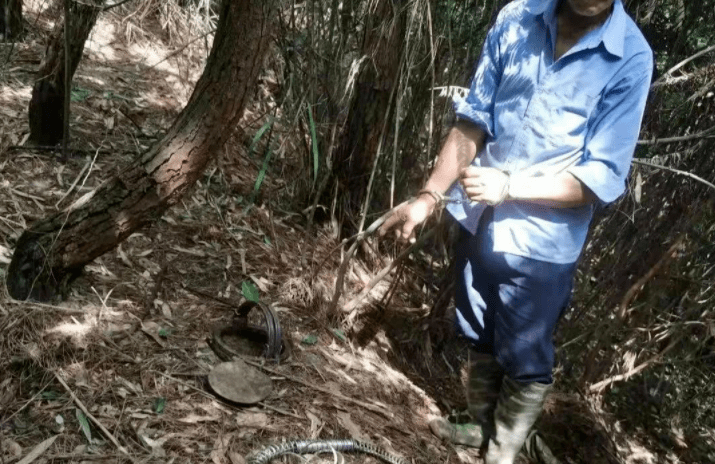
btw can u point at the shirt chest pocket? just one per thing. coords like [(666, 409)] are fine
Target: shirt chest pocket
[(559, 115)]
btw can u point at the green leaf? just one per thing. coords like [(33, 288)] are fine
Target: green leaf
[(79, 94), (309, 340), (314, 143), (262, 173), (84, 424), (164, 332), (340, 334), (266, 240), (250, 291), (159, 405), (258, 136)]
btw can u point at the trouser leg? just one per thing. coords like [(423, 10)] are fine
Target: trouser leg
[(508, 306)]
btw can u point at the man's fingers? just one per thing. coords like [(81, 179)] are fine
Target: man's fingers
[(408, 230), (404, 220), (389, 223), (470, 171)]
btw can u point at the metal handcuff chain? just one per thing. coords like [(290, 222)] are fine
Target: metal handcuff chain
[(322, 446), (441, 198)]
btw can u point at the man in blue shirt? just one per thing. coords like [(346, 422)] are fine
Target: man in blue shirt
[(547, 130)]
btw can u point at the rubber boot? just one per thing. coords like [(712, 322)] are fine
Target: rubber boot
[(518, 408), (483, 385), (537, 451)]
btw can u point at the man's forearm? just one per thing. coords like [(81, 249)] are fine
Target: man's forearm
[(560, 191), (463, 143)]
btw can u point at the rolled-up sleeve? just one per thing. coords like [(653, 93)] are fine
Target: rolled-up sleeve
[(478, 105), (613, 132)]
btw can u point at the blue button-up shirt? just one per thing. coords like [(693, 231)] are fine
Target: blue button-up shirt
[(580, 114)]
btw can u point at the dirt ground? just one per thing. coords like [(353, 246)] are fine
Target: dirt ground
[(118, 371)]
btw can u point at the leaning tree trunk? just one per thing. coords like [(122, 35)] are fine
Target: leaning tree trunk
[(46, 110), (52, 253), (11, 20), (370, 106)]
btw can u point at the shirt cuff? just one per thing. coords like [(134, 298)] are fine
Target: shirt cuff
[(466, 111), (600, 179)]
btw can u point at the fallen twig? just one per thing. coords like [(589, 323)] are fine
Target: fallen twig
[(87, 167), (213, 397), (74, 184), (707, 133), (339, 281), (91, 417), (8, 419), (386, 270), (180, 49), (638, 286), (600, 386), (362, 404), (45, 306)]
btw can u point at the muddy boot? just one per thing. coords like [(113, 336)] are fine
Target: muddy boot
[(518, 408), (485, 377), (537, 451)]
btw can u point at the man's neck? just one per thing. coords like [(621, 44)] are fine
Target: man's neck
[(573, 24)]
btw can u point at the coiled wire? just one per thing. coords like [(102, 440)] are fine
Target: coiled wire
[(322, 446)]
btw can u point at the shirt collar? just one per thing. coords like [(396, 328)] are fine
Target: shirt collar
[(612, 33)]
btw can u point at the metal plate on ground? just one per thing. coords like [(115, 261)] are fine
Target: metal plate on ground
[(237, 381)]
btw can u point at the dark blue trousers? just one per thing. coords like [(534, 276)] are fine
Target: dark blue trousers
[(508, 305)]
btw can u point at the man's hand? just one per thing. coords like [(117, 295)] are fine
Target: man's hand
[(406, 217), (487, 185)]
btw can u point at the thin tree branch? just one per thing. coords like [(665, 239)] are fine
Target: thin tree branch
[(677, 171), (176, 52), (668, 73), (339, 281), (603, 384), (369, 406), (113, 5), (707, 133), (638, 286), (386, 270)]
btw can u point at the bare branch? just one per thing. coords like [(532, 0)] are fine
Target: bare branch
[(603, 384), (638, 286), (91, 417), (707, 133), (677, 171), (113, 5), (668, 73)]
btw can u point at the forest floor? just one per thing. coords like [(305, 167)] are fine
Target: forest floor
[(130, 345)]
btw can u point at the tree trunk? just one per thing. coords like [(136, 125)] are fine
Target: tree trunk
[(370, 106), (46, 110), (52, 253), (11, 20)]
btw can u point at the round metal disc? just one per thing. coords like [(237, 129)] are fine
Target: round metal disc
[(237, 381)]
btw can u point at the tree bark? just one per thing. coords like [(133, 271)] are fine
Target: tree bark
[(46, 110), (11, 20), (49, 255), (370, 106)]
